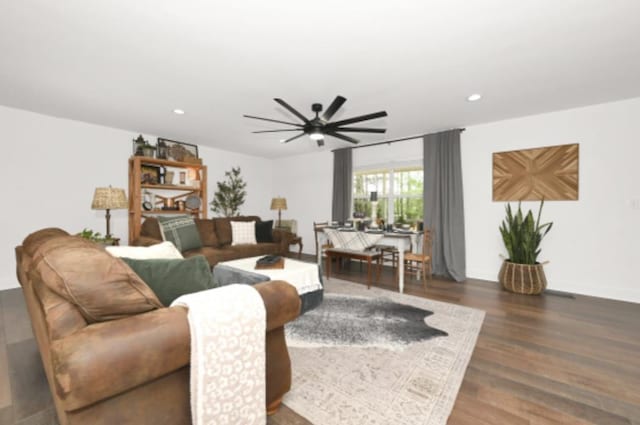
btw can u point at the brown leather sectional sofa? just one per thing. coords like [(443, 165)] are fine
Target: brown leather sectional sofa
[(216, 235), (111, 352)]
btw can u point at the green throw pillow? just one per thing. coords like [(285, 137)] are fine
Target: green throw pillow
[(172, 278), (182, 231)]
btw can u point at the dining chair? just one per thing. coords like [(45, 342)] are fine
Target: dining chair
[(318, 227), (415, 263), (388, 253)]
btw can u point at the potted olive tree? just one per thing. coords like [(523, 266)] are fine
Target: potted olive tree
[(230, 195), (521, 272)]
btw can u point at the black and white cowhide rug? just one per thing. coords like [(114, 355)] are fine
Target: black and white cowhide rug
[(347, 320)]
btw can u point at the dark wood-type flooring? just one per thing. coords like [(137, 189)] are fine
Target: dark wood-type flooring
[(538, 360)]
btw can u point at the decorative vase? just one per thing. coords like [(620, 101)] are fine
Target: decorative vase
[(526, 279)]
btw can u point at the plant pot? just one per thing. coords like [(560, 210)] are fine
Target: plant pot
[(526, 279)]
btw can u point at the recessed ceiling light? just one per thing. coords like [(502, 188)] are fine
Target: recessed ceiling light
[(178, 111), (474, 97)]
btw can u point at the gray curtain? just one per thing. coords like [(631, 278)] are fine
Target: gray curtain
[(443, 202), (342, 182)]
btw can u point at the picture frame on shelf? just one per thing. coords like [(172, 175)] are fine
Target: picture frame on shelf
[(149, 174), (180, 151)]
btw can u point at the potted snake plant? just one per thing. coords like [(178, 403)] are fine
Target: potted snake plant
[(521, 272)]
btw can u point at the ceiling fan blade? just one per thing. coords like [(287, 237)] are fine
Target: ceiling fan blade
[(269, 119), (293, 138), (293, 111), (373, 116), (360, 130), (276, 131), (343, 137), (335, 105)]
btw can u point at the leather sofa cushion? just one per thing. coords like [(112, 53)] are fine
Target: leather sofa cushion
[(213, 255), (216, 255), (62, 317), (32, 242), (207, 230), (249, 250), (151, 228), (100, 285), (223, 227)]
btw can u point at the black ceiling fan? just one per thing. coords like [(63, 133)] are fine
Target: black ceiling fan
[(320, 126)]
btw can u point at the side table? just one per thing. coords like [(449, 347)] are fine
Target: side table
[(297, 241)]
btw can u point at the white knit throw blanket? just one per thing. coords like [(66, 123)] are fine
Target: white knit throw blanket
[(227, 355)]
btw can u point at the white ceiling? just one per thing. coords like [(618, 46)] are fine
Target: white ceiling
[(128, 64)]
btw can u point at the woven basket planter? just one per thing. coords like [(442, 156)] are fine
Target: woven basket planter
[(526, 279)]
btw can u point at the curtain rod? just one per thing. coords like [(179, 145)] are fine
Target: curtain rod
[(401, 139)]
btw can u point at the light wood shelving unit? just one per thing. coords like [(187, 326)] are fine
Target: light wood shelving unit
[(175, 192)]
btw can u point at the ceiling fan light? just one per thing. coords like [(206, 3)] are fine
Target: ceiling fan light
[(474, 97), (316, 135)]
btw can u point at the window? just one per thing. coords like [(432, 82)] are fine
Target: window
[(399, 194)]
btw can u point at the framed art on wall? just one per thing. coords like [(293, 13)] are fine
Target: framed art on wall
[(549, 173), (179, 151), (149, 174)]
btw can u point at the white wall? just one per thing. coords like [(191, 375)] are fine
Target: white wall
[(255, 171), (388, 155), (592, 247), (307, 183), (52, 166)]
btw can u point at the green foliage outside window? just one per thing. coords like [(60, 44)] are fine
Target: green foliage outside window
[(407, 188)]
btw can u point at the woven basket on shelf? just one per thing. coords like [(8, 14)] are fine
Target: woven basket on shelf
[(522, 278)]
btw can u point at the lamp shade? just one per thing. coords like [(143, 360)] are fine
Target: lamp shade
[(374, 197), (109, 198), (279, 203)]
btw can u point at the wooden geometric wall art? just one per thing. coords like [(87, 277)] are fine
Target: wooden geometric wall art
[(549, 173)]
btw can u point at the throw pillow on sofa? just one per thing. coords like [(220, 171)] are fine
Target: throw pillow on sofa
[(171, 278), (164, 250), (182, 231), (243, 232), (264, 231)]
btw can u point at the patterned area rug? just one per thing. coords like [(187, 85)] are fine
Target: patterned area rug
[(354, 383)]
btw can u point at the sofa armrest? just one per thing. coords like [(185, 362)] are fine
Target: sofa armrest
[(283, 238), (145, 241), (107, 358), (281, 301)]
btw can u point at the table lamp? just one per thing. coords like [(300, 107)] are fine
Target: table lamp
[(109, 198), (279, 204)]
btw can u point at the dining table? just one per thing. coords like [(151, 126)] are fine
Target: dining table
[(402, 240)]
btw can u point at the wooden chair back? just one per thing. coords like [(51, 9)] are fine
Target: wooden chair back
[(318, 227), (427, 242)]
